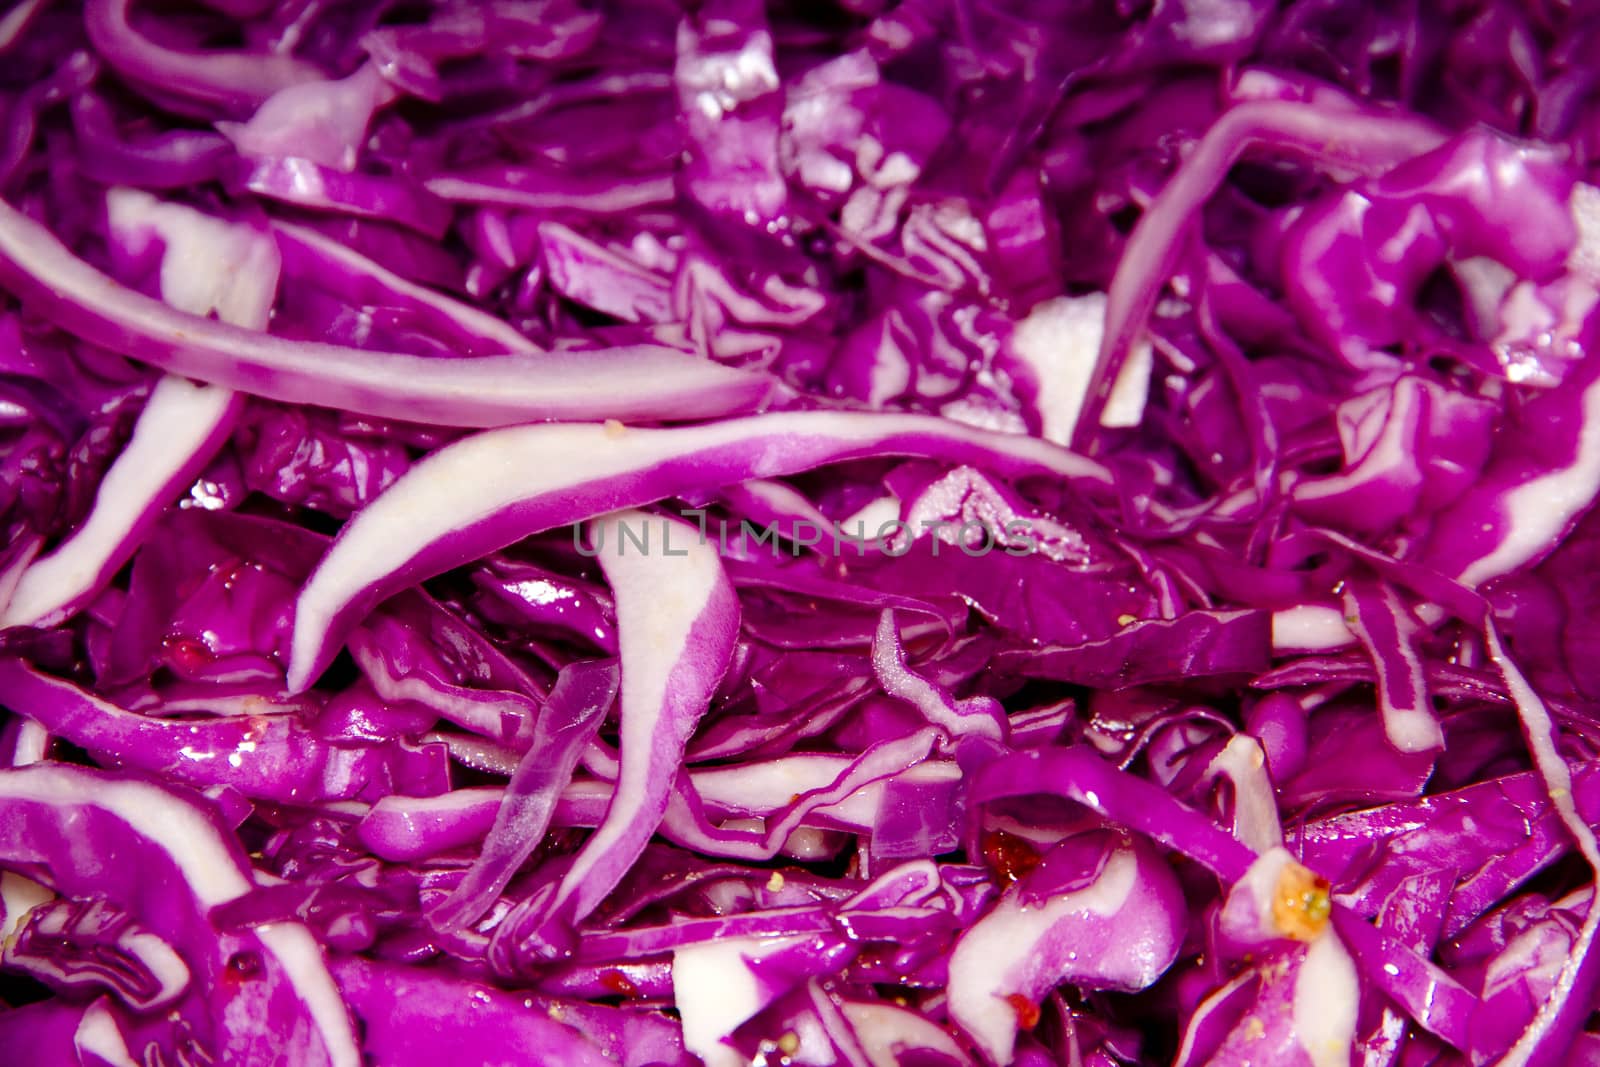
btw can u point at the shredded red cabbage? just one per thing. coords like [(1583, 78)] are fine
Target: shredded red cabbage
[(865, 532)]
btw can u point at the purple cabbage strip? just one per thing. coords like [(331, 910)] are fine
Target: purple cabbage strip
[(1389, 633), (1331, 131), (1101, 921), (979, 716), (230, 81), (197, 419), (482, 391), (676, 624), (581, 696), (489, 491), (264, 756), (166, 161), (207, 267), (1121, 798), (96, 945), (168, 860), (413, 1016)]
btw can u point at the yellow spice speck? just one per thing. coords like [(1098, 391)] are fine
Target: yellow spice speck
[(1301, 904)]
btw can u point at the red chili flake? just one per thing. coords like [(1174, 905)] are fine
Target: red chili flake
[(186, 654), (244, 965), (619, 983), (1008, 856), (1027, 1011)]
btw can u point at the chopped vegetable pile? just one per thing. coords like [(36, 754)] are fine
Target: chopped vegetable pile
[(937, 532)]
